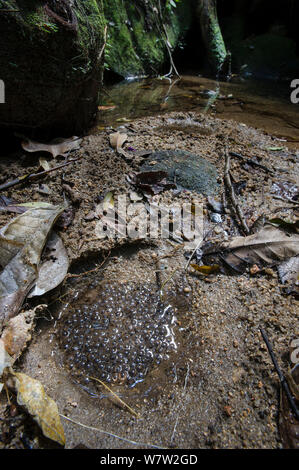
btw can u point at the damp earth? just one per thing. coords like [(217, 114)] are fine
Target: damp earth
[(218, 389)]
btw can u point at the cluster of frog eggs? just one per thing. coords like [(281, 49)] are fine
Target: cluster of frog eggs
[(121, 336)]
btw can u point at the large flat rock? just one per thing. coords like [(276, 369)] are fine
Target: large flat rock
[(188, 170)]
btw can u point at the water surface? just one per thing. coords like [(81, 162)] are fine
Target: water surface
[(261, 104)]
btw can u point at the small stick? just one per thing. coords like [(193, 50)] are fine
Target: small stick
[(30, 176), (166, 281), (174, 428), (251, 162), (192, 254), (282, 378), (69, 275), (230, 189), (286, 199), (117, 397), (196, 248), (158, 278)]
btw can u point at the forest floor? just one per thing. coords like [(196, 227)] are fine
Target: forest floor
[(218, 388)]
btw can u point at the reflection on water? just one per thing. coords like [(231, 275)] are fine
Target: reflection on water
[(265, 105)]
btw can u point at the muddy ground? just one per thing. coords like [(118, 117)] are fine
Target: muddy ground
[(218, 389)]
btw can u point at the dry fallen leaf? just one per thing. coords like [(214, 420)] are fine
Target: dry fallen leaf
[(5, 358), (56, 147), (123, 119), (44, 164), (289, 273), (32, 396), (108, 202), (117, 140), (21, 244), (53, 270), (106, 108), (152, 182), (269, 246), (17, 332)]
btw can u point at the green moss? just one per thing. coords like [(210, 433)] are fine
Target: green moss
[(90, 18), (179, 21), (217, 47), (149, 47), (121, 56), (136, 44)]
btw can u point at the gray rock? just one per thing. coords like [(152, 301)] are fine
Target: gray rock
[(186, 169)]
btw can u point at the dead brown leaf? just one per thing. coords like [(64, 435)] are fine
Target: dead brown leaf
[(269, 246), (17, 332), (56, 147), (106, 108), (32, 396), (289, 275), (117, 140), (21, 244)]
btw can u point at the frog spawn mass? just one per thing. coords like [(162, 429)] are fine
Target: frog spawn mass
[(120, 335)]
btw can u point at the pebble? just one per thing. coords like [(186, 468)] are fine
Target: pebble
[(228, 410), (216, 218)]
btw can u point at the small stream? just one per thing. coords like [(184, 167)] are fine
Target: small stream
[(261, 104)]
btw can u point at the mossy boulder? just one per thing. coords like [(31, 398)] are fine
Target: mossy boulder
[(136, 41), (50, 63)]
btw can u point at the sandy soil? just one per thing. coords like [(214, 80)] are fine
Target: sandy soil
[(219, 390)]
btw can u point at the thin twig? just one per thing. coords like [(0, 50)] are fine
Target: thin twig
[(111, 434), (166, 281), (180, 406), (31, 176), (174, 428), (230, 189), (172, 64), (196, 248), (286, 199), (192, 254), (163, 32), (117, 397), (187, 376), (251, 162), (282, 378), (69, 275)]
